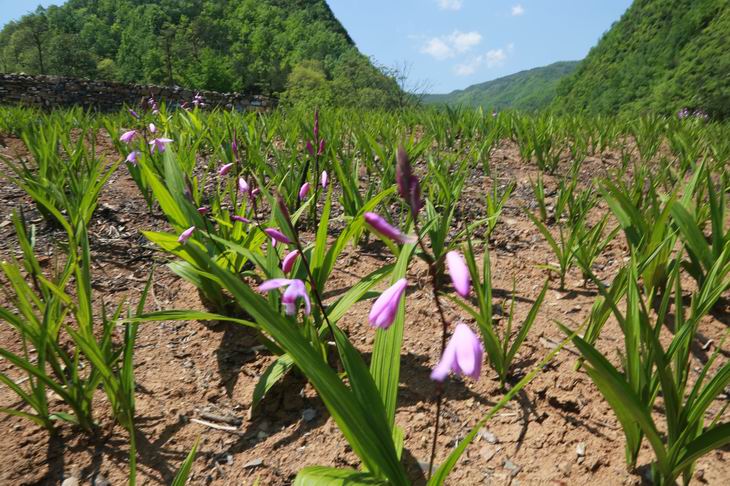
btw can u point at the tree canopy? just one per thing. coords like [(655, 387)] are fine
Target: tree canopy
[(279, 47), (661, 56)]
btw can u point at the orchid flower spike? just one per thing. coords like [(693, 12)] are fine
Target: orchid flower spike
[(315, 132), (128, 136), (380, 225), (303, 191), (277, 235), (225, 169), (295, 290), (459, 273), (383, 312), (185, 235), (132, 157), (289, 260), (159, 144), (323, 180), (463, 355)]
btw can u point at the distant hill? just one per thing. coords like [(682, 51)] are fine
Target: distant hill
[(526, 90), (296, 48), (661, 56)]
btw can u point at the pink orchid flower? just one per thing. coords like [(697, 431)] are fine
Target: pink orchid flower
[(380, 225), (225, 169), (303, 191), (383, 312), (295, 289), (277, 235), (463, 355), (289, 260), (185, 235), (159, 144), (128, 136), (132, 157), (459, 273)]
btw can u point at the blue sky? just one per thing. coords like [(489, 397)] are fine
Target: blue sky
[(451, 44)]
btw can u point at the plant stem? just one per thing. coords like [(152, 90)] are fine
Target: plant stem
[(433, 272)]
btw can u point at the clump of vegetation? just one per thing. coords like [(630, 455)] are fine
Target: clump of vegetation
[(294, 48)]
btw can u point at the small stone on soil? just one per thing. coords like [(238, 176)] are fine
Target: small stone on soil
[(253, 463), (580, 449), (308, 414)]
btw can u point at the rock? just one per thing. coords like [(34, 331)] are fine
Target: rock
[(72, 481), (580, 449), (513, 468), (253, 463), (101, 480), (308, 414), (488, 436)]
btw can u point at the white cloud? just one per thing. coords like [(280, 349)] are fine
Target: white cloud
[(469, 68), (450, 4), (518, 10), (494, 57), (445, 47), (491, 59), (437, 48)]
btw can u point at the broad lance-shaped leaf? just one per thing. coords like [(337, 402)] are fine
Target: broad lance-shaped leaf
[(385, 364), (627, 406), (330, 476)]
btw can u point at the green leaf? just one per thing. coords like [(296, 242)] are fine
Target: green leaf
[(330, 476), (385, 362), (181, 478), (271, 376)]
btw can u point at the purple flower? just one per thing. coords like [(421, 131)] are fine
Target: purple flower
[(304, 190), (133, 113), (225, 169), (309, 147), (463, 355), (243, 187), (295, 290), (203, 210), (241, 219), (380, 225), (153, 128), (277, 235), (320, 150), (289, 261), (255, 192), (159, 144), (128, 136), (385, 307), (459, 273), (185, 235), (132, 157), (323, 180), (234, 146)]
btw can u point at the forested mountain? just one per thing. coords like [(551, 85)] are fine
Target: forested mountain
[(296, 48), (526, 90), (661, 56)]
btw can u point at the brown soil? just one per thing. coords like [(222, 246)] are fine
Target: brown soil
[(186, 370)]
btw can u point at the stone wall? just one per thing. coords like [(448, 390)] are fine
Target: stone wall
[(57, 91)]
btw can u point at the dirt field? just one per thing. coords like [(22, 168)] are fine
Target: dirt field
[(558, 431)]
